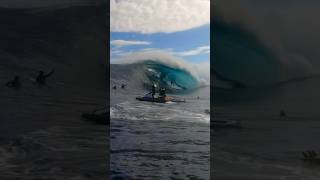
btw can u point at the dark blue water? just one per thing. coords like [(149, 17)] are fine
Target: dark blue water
[(268, 146), (159, 140)]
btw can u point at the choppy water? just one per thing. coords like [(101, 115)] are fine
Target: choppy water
[(44, 137), (267, 146), (56, 153), (159, 141)]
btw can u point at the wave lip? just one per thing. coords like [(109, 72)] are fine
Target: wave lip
[(163, 70)]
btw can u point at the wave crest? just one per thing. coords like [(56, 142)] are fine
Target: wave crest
[(163, 69)]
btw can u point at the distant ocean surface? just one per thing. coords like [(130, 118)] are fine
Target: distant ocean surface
[(268, 146)]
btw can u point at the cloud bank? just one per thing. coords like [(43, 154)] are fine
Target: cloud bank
[(193, 52), (155, 16), (196, 51), (121, 43)]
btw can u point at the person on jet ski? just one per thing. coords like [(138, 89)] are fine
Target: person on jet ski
[(162, 93), (153, 91)]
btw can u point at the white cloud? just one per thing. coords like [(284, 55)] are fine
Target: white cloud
[(196, 51), (192, 52), (121, 43), (153, 16)]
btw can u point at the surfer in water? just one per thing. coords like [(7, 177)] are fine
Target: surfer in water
[(283, 114), (41, 78), (15, 83)]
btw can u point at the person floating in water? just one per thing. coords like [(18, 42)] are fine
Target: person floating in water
[(123, 86), (283, 114), (41, 78), (309, 155), (15, 83), (114, 87)]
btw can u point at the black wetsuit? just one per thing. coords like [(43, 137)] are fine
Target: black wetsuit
[(162, 94), (153, 91), (41, 78)]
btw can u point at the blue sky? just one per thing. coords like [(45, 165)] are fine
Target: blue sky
[(149, 25), (179, 44)]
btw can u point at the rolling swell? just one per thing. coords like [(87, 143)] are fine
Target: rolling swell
[(240, 59), (143, 74)]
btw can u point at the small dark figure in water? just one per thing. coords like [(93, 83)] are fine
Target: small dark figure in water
[(309, 155), (41, 78), (123, 86), (282, 113), (305, 155), (198, 97), (313, 154), (15, 83), (114, 87)]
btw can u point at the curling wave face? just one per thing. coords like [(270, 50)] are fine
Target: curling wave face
[(240, 59), (173, 79), (258, 47), (176, 77)]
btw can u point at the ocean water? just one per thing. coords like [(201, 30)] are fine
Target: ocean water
[(42, 133), (44, 137), (268, 146), (276, 64), (158, 140)]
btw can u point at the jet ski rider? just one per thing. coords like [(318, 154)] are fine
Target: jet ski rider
[(153, 91), (162, 94)]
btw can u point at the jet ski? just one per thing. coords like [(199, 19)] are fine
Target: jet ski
[(150, 99), (159, 99)]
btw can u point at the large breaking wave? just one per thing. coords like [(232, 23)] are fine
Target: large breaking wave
[(142, 70), (240, 57), (258, 46)]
